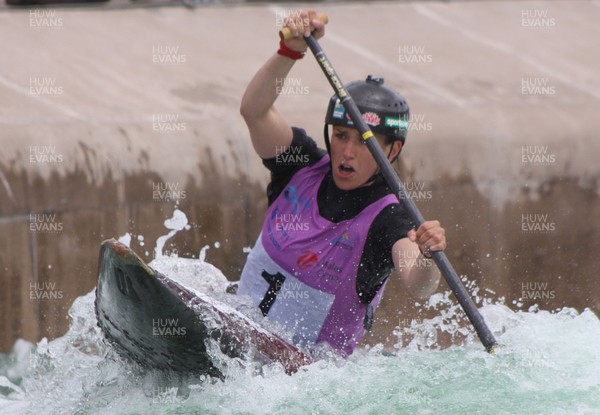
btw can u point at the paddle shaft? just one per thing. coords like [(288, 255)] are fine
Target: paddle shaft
[(392, 179)]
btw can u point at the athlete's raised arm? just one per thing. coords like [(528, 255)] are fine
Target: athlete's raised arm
[(268, 128)]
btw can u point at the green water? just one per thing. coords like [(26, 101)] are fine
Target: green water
[(549, 363)]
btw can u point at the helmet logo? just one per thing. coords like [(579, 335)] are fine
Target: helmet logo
[(338, 111), (396, 123), (371, 118)]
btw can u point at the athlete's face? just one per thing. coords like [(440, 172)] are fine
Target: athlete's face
[(351, 161)]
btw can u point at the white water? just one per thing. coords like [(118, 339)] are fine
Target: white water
[(548, 364)]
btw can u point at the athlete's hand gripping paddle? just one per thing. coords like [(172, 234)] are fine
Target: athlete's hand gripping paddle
[(392, 179), (286, 33)]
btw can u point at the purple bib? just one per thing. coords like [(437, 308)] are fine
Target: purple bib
[(302, 271)]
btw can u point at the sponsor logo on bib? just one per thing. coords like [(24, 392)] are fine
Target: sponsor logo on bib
[(307, 260)]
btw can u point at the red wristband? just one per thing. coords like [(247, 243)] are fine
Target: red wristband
[(289, 53)]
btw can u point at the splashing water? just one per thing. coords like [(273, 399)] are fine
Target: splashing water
[(177, 223), (548, 363)]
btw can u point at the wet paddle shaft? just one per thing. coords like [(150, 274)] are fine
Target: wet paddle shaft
[(392, 179)]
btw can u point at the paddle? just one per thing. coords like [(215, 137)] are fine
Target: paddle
[(392, 179)]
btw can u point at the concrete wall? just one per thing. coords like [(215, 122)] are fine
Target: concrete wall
[(101, 108)]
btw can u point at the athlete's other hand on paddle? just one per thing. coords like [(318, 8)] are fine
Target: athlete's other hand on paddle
[(430, 237)]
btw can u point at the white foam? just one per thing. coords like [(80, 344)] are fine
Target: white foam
[(192, 273), (125, 239), (176, 223)]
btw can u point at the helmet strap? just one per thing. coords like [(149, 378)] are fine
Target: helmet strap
[(327, 144), (378, 171)]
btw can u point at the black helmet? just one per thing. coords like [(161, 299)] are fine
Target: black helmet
[(384, 110)]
